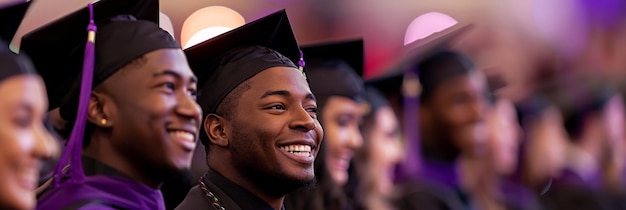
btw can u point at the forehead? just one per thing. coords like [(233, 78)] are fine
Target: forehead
[(471, 82), (280, 78), (344, 105), (157, 61), (23, 89)]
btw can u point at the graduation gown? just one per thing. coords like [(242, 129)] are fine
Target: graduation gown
[(571, 191), (436, 188), (230, 196), (103, 188)]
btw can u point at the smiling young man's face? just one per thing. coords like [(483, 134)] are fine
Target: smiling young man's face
[(155, 119), (275, 132)]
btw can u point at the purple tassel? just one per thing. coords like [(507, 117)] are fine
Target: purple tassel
[(301, 63), (73, 151)]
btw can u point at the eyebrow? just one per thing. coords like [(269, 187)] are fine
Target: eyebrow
[(285, 93), (192, 79), (275, 93)]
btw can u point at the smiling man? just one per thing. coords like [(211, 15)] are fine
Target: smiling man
[(142, 118), (261, 131)]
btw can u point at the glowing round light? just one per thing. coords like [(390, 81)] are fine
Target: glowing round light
[(217, 17), (426, 25), (205, 34), (166, 24)]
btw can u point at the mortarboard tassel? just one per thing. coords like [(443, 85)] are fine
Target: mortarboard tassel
[(301, 64), (73, 151)]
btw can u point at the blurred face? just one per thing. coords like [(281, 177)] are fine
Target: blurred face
[(24, 139), (459, 106), (155, 119), (547, 146), (385, 148), (275, 133), (341, 117), (503, 136)]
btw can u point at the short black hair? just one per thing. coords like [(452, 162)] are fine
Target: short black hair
[(68, 108), (440, 67), (226, 109)]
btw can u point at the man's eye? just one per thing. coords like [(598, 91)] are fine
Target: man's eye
[(277, 107), (168, 85)]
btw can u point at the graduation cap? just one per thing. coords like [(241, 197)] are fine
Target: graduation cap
[(57, 48), (11, 16), (225, 61), (335, 69), (432, 61), (349, 51)]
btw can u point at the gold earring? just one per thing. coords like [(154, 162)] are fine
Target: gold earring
[(103, 121)]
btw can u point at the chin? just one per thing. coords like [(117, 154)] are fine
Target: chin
[(339, 177), (24, 200), (303, 175)]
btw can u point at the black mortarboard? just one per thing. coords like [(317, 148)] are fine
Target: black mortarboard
[(335, 69), (227, 60), (11, 64), (127, 29), (11, 16), (349, 51), (390, 86), (375, 99), (433, 60)]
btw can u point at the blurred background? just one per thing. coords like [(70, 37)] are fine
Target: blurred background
[(511, 37)]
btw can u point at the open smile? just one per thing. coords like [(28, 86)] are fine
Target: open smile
[(186, 138), (301, 153)]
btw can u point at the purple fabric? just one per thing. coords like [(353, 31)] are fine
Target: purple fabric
[(517, 195), (570, 177), (440, 172), (72, 153), (410, 167), (604, 13), (111, 191)]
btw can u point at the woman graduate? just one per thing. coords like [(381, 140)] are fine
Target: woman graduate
[(382, 146), (334, 70), (24, 138), (138, 123)]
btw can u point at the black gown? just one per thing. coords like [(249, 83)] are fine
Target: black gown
[(229, 195)]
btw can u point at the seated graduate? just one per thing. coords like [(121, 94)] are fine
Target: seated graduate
[(334, 72), (452, 109), (542, 155), (25, 140), (382, 149), (592, 111), (139, 122), (261, 132)]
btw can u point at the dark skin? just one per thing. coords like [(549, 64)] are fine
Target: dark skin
[(145, 105), (279, 109), (453, 118)]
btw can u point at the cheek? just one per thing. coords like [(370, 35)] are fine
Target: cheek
[(333, 137), (16, 143)]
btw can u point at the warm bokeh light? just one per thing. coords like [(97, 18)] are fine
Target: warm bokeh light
[(427, 24), (166, 24), (208, 21)]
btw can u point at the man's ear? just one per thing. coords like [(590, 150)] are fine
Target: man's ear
[(216, 129), (97, 112)]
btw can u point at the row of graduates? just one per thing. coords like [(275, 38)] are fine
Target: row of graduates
[(132, 106), (282, 127)]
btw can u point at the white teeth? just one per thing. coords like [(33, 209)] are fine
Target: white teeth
[(184, 135), (301, 150)]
